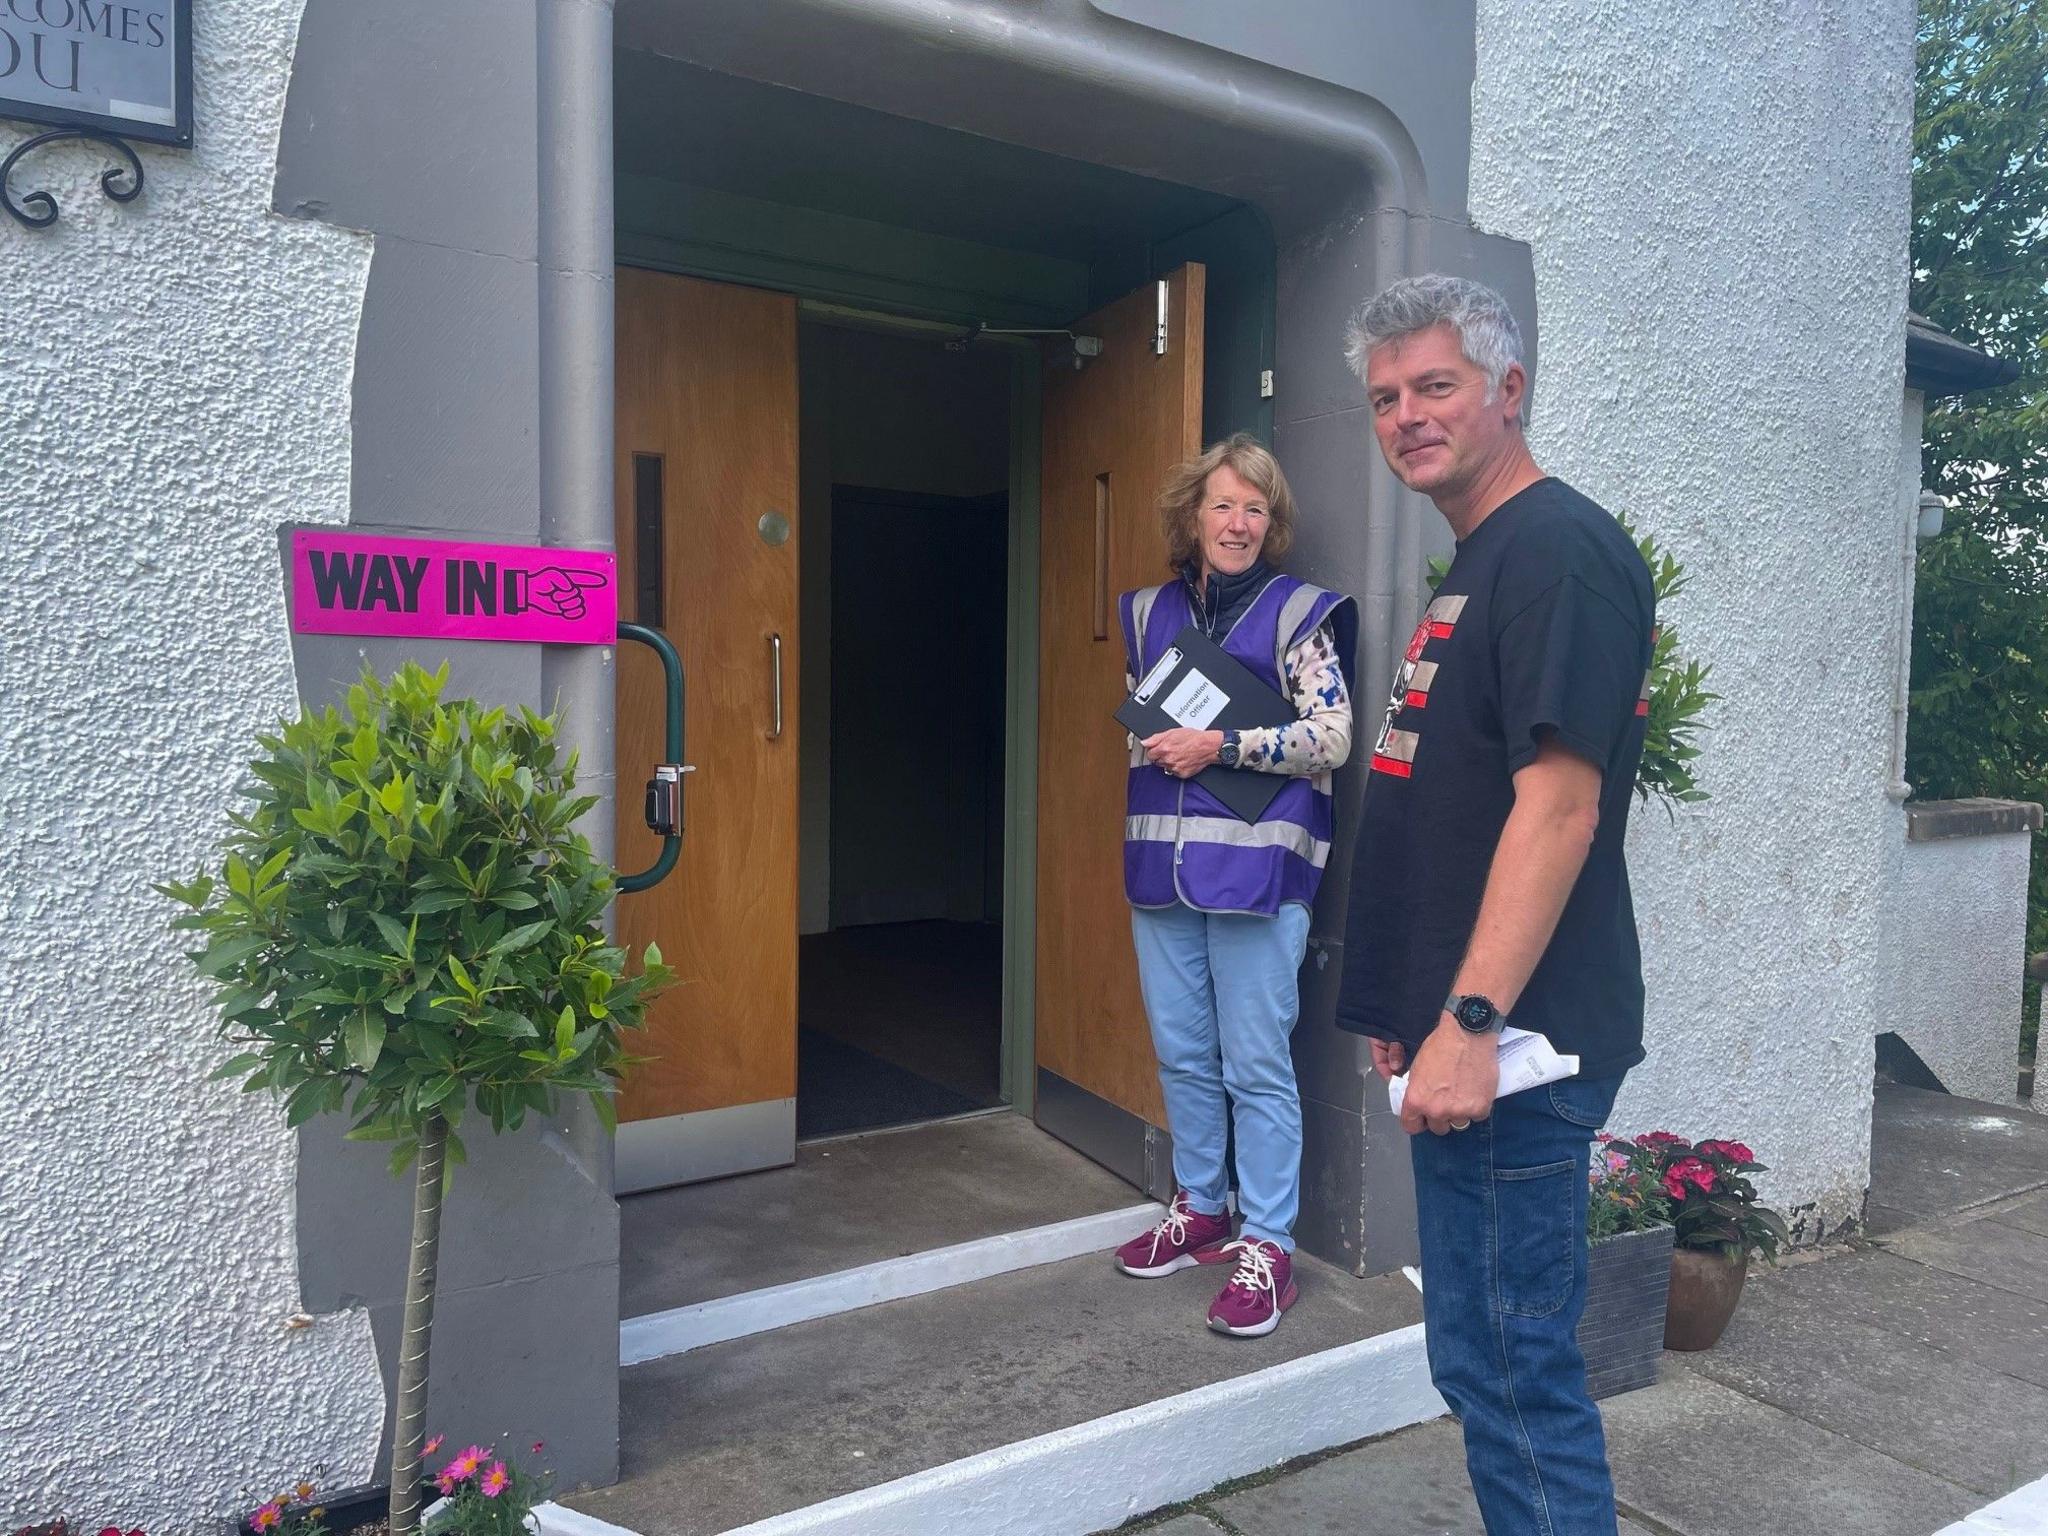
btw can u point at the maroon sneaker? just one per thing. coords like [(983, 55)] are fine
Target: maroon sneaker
[(1185, 1237), (1260, 1289)]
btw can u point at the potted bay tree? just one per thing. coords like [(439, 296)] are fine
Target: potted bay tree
[(404, 926)]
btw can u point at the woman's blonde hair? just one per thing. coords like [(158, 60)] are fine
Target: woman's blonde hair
[(1180, 500)]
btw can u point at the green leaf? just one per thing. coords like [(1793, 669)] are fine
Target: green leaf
[(364, 1038), (565, 1031), (235, 1066), (394, 932), (520, 938), (226, 954)]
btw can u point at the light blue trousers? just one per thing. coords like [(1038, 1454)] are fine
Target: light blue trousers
[(1221, 991)]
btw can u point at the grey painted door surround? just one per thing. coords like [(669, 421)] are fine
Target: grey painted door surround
[(479, 155)]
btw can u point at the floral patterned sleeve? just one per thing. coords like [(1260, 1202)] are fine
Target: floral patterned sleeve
[(1321, 739)]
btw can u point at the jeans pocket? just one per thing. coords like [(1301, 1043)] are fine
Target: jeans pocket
[(1584, 1101), (1534, 1213)]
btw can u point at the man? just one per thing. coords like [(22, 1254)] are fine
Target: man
[(1489, 887)]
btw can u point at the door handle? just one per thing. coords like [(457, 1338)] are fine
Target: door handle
[(665, 789), (775, 659)]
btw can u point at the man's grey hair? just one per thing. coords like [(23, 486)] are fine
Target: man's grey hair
[(1486, 327)]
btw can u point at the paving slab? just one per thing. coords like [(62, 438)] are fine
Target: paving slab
[(1908, 1302), (1408, 1484), (1985, 1251), (2030, 1215), (1933, 1155), (1185, 1525), (1699, 1459), (1941, 1412), (737, 1431), (853, 1201)]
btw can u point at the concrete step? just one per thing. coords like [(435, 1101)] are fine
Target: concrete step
[(850, 1202), (1060, 1398)]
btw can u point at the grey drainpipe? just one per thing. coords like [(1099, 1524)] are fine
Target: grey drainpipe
[(574, 122), (574, 125), (1073, 39)]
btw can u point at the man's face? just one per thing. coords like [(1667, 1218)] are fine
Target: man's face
[(1430, 412)]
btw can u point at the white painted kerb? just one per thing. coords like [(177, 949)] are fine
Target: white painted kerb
[(2023, 1512), (660, 1334), (1097, 1475)]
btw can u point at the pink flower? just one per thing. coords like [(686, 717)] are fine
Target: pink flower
[(537, 1445), (495, 1480), (431, 1446), (1661, 1139), (465, 1465), (1734, 1151), (265, 1518), (1688, 1171), (445, 1483)]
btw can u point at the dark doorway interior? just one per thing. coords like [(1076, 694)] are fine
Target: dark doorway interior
[(900, 1010)]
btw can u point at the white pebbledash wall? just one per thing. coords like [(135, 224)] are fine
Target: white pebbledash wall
[(1717, 200), (174, 384)]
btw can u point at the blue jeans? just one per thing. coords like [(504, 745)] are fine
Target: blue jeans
[(1501, 1209), (1221, 991)]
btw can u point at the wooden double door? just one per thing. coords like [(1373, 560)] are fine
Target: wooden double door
[(710, 547)]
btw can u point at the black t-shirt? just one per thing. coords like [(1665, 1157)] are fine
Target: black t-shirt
[(1543, 626)]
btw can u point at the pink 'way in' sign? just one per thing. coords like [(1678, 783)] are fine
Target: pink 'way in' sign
[(369, 584)]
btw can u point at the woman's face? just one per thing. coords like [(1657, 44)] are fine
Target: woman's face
[(1234, 521)]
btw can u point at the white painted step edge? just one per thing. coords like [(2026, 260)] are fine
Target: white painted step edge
[(657, 1335), (1097, 1475), (2023, 1512)]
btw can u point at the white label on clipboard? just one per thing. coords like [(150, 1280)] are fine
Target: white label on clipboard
[(1159, 674), (1196, 701)]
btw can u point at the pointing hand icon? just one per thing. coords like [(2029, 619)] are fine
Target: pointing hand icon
[(554, 590)]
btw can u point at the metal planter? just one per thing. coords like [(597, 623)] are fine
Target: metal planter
[(1628, 1281)]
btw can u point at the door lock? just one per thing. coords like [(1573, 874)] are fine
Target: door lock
[(665, 799)]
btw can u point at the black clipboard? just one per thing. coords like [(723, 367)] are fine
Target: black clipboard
[(1197, 680)]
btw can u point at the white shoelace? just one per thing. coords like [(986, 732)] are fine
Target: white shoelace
[(1174, 1229), (1254, 1266)]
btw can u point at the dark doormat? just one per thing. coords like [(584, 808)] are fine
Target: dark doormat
[(841, 1088)]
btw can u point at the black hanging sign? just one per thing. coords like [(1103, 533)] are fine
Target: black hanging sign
[(113, 67)]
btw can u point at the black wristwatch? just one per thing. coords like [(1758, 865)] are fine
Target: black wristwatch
[(1476, 1015), (1226, 754)]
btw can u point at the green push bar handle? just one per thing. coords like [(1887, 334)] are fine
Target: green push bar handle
[(665, 789)]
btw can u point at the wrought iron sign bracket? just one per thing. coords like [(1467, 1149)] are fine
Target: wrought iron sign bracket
[(38, 210)]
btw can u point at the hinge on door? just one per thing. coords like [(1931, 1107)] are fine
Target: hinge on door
[(1265, 383), (1159, 334)]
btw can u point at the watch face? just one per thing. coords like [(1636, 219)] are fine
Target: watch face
[(1475, 1013)]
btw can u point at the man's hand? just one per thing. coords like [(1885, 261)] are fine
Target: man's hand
[(1453, 1082), (1183, 753), (1389, 1058)]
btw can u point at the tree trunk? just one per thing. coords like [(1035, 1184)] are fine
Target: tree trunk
[(418, 1328)]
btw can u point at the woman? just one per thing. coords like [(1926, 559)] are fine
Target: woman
[(1219, 907)]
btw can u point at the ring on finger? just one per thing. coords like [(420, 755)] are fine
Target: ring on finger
[(1461, 1125)]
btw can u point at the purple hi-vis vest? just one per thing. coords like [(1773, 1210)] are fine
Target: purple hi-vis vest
[(1181, 844)]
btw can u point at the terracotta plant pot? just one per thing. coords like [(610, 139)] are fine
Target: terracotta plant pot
[(1705, 1285)]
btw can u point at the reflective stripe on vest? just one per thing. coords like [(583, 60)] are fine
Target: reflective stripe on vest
[(1296, 839)]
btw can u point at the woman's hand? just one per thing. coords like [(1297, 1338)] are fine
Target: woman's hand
[(1183, 753)]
